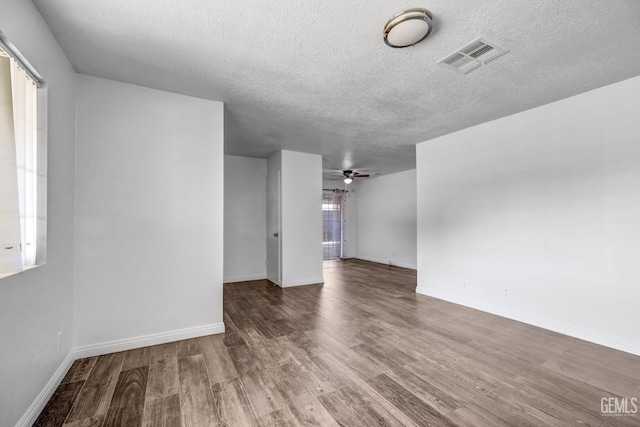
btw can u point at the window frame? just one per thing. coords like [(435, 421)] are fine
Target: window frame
[(42, 154)]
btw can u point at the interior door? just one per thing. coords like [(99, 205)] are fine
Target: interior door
[(274, 246)]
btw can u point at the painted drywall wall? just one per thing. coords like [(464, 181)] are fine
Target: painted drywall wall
[(536, 216), (294, 212), (387, 219), (301, 201), (245, 218), (301, 218), (351, 213), (149, 212), (38, 304)]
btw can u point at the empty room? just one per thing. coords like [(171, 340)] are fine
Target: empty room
[(376, 213)]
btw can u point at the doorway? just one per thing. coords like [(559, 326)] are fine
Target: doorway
[(333, 224)]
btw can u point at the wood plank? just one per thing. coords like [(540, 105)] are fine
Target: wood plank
[(529, 406), (262, 393), (390, 358), (219, 365), (232, 336), (365, 368), (162, 412), (309, 376), (268, 350), (503, 412), (59, 405), (94, 398), (460, 382), (340, 374), (86, 422), (279, 418), (235, 409), (604, 377), (80, 370), (190, 347), (303, 343), (197, 407), (467, 417), (413, 407), (127, 405), (163, 372), (575, 397), (425, 390), (350, 408), (245, 359), (136, 358), (304, 407)]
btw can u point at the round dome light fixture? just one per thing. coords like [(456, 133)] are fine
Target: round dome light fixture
[(408, 27)]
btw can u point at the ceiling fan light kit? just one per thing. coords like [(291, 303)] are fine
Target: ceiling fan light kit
[(350, 175), (408, 27)]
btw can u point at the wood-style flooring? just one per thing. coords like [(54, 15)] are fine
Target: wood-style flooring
[(361, 350)]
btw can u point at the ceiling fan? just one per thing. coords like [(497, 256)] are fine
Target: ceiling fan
[(350, 175)]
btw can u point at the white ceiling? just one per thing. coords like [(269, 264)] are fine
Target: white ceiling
[(316, 76)]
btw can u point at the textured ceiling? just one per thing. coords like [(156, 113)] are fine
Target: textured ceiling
[(317, 77)]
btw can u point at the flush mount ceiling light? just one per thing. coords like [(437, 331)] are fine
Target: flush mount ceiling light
[(408, 28)]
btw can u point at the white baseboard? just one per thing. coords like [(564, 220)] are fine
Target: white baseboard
[(386, 262), (303, 282), (248, 278), (41, 400), (544, 323), (147, 340)]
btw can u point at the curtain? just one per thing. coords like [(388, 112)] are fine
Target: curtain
[(18, 166), (24, 92), (10, 254)]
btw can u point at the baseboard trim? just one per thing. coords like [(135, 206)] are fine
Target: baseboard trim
[(245, 278), (32, 413), (304, 282), (147, 340), (551, 325), (393, 263)]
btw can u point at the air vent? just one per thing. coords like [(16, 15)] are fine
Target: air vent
[(472, 56)]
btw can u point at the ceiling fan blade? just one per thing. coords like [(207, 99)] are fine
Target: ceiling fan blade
[(357, 175)]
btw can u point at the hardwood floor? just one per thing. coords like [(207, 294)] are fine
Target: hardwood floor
[(361, 350)]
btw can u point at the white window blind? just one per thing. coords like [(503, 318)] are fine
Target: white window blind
[(18, 167)]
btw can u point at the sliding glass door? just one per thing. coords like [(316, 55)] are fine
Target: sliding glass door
[(333, 224)]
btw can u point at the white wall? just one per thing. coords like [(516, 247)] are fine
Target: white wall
[(387, 219), (536, 216), (37, 304), (245, 218), (301, 236), (351, 213), (149, 209)]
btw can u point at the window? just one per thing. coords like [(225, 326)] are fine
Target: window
[(22, 166)]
